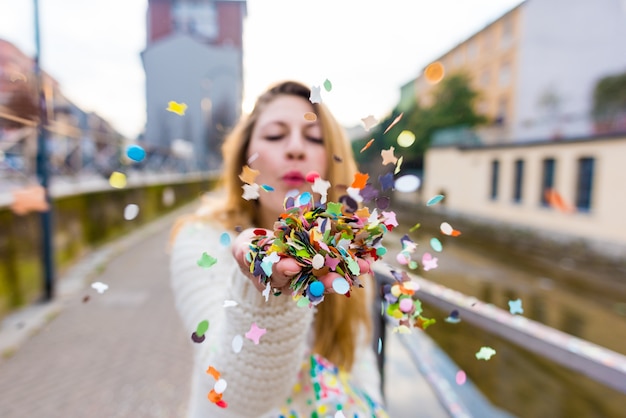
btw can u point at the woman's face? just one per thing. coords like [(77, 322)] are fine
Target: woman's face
[(285, 147)]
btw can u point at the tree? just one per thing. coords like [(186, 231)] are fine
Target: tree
[(609, 104), (453, 105)]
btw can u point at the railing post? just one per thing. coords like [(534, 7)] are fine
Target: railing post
[(42, 171)]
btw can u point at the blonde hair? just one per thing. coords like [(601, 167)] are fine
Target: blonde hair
[(339, 319)]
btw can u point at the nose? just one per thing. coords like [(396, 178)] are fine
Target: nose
[(294, 149)]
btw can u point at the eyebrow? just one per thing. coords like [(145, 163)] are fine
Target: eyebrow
[(307, 125)]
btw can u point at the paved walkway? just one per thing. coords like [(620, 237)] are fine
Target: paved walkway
[(124, 353)]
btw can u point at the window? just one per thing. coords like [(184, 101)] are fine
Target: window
[(507, 32), (547, 179), (584, 184), (518, 178), (495, 168)]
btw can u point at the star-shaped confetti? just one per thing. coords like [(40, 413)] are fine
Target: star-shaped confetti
[(255, 333), (250, 191), (206, 261), (515, 307), (360, 180), (268, 262), (178, 108), (429, 262), (369, 122), (315, 95), (390, 218), (99, 287), (369, 193), (388, 157), (321, 186), (485, 353), (28, 200), (248, 175), (334, 208), (386, 181)]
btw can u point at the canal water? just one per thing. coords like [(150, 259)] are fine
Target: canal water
[(515, 379)]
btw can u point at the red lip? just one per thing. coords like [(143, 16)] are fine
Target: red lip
[(293, 178)]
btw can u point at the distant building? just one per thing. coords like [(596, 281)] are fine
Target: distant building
[(566, 189), (194, 55), (537, 65), (76, 139)]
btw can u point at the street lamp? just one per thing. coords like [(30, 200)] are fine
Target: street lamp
[(42, 171)]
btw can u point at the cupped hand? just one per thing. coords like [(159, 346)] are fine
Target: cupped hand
[(284, 270)]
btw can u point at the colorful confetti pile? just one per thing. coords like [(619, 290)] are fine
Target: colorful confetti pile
[(322, 238)]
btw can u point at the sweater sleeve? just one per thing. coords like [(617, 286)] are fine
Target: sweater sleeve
[(259, 377)]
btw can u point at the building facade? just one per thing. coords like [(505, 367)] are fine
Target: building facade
[(566, 189), (537, 65), (194, 55)]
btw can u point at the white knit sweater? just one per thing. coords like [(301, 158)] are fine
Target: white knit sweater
[(261, 377)]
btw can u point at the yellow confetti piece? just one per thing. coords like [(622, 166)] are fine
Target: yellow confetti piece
[(397, 170), (178, 108), (406, 139), (117, 180), (310, 116), (434, 72)]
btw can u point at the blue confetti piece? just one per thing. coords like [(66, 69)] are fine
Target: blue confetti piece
[(267, 188), (434, 200), (435, 244), (225, 239), (380, 345), (316, 288), (135, 153)]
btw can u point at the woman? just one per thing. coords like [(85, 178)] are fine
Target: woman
[(290, 371)]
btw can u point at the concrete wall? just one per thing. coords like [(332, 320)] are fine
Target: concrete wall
[(464, 177), (82, 220)]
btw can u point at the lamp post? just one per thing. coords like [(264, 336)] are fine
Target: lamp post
[(42, 171)]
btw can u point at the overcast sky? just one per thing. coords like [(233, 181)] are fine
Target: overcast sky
[(366, 48)]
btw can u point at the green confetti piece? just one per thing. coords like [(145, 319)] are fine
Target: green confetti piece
[(206, 261), (353, 266), (302, 302), (328, 86), (334, 208), (435, 244), (202, 328), (415, 227)]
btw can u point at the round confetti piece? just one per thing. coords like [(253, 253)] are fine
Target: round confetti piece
[(311, 176), (318, 261), (168, 197), (446, 228), (203, 326), (341, 286), (237, 343), (395, 290), (382, 202), (131, 211), (316, 288), (413, 264), (225, 239), (197, 338), (406, 139), (220, 386), (328, 86), (380, 251), (434, 200), (406, 305), (407, 184), (135, 153), (434, 72), (310, 116), (117, 180), (435, 244), (461, 377)]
